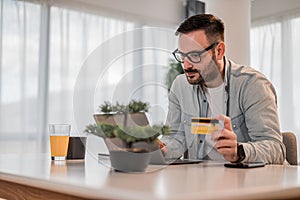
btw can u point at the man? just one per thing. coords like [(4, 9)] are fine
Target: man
[(213, 86)]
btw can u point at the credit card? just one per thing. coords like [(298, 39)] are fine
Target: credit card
[(201, 125)]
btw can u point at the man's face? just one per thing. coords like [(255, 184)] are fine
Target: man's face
[(205, 72)]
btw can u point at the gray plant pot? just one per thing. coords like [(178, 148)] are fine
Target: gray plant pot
[(129, 160)]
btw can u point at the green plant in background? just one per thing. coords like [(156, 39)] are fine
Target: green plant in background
[(104, 130), (137, 106), (106, 107), (128, 134), (175, 70), (132, 107)]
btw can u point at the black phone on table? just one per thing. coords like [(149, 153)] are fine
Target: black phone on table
[(245, 165)]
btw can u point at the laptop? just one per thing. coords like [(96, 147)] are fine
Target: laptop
[(157, 158)]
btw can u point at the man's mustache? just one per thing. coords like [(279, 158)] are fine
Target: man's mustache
[(190, 70)]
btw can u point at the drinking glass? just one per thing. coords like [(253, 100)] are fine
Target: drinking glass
[(59, 140)]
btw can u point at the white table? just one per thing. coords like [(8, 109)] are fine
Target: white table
[(36, 176)]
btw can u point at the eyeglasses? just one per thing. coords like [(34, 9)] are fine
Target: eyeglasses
[(193, 56)]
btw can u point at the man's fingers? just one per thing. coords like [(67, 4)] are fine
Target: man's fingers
[(162, 147), (226, 120)]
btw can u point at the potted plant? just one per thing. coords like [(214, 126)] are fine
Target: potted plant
[(127, 134), (135, 143), (134, 113)]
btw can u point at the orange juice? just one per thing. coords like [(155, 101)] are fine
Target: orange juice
[(59, 145)]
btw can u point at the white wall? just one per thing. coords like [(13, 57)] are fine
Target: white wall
[(166, 11), (267, 8), (154, 12), (236, 16)]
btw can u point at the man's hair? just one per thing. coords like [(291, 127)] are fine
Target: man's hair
[(212, 26)]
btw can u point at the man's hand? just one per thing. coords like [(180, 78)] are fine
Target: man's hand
[(225, 140), (162, 146)]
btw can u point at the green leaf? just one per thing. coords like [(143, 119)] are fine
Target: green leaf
[(129, 134), (132, 107)]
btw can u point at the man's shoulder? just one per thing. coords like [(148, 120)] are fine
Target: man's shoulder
[(246, 72), (248, 77)]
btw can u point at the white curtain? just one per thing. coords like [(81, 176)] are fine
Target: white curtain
[(19, 38), (275, 47), (47, 73), (73, 36)]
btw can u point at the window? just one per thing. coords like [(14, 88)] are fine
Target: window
[(43, 54), (73, 36), (19, 67), (274, 51)]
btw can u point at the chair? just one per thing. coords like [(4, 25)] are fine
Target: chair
[(290, 142)]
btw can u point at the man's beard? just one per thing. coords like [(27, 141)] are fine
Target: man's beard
[(200, 80)]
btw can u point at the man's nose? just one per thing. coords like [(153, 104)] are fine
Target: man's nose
[(186, 63)]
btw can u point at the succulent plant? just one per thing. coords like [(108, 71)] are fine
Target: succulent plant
[(128, 134), (133, 106)]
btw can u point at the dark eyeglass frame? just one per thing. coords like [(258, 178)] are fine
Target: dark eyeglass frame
[(183, 55)]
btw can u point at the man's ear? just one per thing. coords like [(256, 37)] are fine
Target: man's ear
[(220, 50)]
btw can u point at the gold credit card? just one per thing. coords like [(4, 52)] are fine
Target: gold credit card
[(201, 125)]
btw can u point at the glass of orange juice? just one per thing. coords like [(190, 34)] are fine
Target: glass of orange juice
[(59, 140)]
